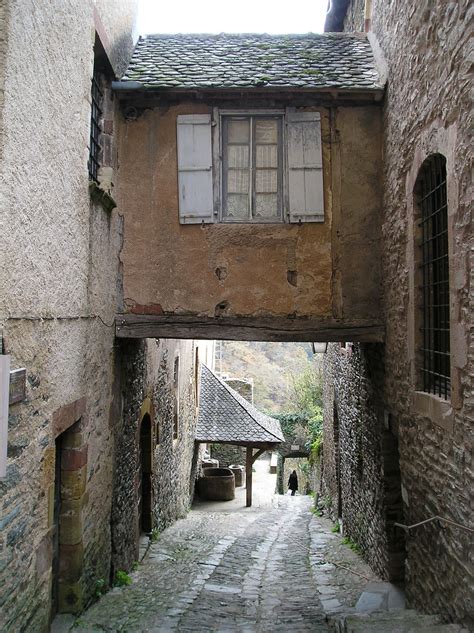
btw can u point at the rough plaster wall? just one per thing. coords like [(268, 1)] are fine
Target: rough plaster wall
[(426, 45), (119, 17), (58, 284), (256, 258), (147, 372)]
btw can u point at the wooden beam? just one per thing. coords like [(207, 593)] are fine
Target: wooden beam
[(258, 453), (278, 329), (248, 475)]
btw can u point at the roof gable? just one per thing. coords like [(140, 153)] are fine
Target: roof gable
[(247, 61)]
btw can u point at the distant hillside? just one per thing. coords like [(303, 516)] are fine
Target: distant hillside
[(268, 364)]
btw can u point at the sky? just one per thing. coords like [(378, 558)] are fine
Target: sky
[(244, 16)]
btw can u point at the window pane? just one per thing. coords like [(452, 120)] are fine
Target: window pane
[(266, 131), (238, 131), (266, 181), (237, 207), (266, 206), (238, 156), (266, 156), (238, 181)]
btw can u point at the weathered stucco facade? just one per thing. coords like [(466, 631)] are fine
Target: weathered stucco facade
[(424, 49), (321, 272)]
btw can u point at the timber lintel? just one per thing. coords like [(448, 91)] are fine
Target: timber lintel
[(277, 329)]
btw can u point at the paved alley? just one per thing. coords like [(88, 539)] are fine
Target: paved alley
[(243, 569)]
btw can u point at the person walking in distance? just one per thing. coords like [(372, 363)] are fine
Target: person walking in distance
[(293, 483)]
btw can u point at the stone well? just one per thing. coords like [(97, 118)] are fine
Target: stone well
[(239, 474), (217, 484)]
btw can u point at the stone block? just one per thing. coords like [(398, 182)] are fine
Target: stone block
[(73, 458), (50, 496), (67, 415), (72, 440), (70, 597), (48, 462), (44, 554), (70, 522), (71, 562), (73, 483)]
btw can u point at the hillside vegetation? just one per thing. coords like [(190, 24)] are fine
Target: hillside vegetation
[(273, 368)]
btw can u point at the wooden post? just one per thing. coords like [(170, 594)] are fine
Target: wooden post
[(248, 475)]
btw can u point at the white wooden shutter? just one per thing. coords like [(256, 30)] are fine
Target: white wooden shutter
[(196, 203), (305, 167)]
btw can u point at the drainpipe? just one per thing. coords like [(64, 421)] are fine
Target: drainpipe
[(367, 15)]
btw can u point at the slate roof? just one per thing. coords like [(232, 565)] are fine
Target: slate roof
[(225, 416), (230, 61)]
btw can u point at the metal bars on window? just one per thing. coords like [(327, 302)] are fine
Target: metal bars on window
[(435, 351), (95, 130)]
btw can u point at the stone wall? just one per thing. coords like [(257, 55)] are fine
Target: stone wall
[(360, 478), (425, 47), (427, 111), (354, 20), (58, 299), (147, 385), (228, 454)]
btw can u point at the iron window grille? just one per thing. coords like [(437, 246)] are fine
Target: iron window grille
[(435, 350), (95, 128)]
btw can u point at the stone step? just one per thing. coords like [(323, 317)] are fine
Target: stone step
[(397, 621)]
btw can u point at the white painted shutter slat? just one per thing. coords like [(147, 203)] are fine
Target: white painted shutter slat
[(196, 202), (305, 167)]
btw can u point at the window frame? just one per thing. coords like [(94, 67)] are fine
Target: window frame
[(94, 162), (252, 116), (218, 162), (432, 234)]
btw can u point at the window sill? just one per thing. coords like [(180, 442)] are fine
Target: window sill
[(439, 411), (99, 196)]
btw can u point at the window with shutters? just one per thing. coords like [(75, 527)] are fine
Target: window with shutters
[(250, 167)]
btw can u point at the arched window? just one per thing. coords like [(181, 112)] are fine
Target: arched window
[(433, 278)]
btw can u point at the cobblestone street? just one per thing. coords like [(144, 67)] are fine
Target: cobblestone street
[(235, 569)]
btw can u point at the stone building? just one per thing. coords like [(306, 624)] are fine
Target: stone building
[(100, 444), (399, 416)]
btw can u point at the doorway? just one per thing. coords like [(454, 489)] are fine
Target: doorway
[(144, 485)]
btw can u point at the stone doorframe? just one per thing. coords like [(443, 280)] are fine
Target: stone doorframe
[(69, 424)]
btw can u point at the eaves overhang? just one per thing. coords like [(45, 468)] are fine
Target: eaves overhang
[(133, 91)]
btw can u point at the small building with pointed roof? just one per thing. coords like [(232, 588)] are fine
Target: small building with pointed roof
[(225, 417)]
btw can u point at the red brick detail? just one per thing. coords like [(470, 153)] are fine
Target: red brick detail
[(66, 416), (73, 458), (151, 308)]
